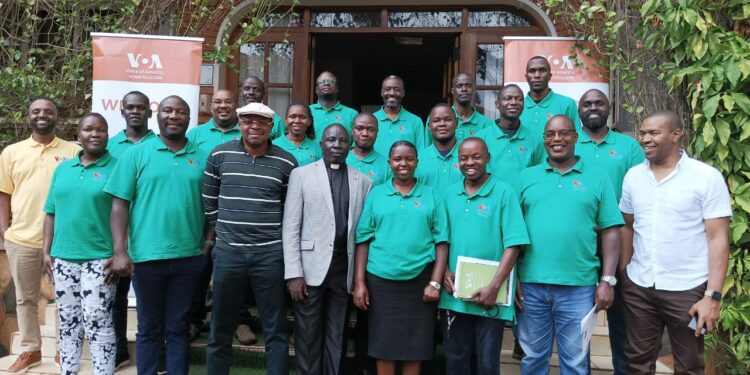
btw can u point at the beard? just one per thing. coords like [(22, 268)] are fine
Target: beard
[(594, 124)]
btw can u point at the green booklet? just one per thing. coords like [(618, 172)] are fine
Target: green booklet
[(473, 274)]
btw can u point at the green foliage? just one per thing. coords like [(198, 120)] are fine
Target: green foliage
[(707, 67), (45, 46)]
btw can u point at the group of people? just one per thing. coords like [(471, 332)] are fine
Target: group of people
[(326, 207)]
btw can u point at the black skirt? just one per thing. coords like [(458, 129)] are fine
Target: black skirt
[(401, 326)]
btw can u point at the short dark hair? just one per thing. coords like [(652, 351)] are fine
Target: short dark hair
[(402, 143), (310, 131), (136, 92), (508, 86), (337, 125), (93, 114), (446, 105)]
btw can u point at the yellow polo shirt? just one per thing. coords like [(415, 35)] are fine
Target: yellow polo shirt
[(26, 170)]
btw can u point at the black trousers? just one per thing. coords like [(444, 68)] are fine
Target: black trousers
[(319, 322)]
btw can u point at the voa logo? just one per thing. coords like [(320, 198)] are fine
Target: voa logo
[(560, 62), (150, 62)]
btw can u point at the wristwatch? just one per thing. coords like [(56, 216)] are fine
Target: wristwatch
[(611, 280), (435, 285), (715, 295)]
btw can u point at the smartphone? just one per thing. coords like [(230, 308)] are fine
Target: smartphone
[(693, 323)]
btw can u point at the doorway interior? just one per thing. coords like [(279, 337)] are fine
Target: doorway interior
[(361, 61)]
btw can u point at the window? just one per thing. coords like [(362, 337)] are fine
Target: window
[(424, 19), (489, 77), (276, 70), (345, 19)]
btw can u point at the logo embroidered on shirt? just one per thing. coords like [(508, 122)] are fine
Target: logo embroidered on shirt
[(455, 166), (338, 117), (401, 129), (60, 159), (521, 149), (484, 210), (614, 154), (416, 203), (194, 163), (98, 177), (471, 132), (580, 185)]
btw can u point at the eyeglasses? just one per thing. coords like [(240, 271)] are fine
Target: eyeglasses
[(326, 81), (561, 134), (249, 121)]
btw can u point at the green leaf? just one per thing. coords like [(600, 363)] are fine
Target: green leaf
[(723, 130), (744, 66), (743, 201), (710, 106), (732, 70), (708, 134), (648, 7), (742, 101), (728, 102), (699, 48)]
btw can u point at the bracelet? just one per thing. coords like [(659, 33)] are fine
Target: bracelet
[(435, 284)]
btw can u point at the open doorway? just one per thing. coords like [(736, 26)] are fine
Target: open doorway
[(362, 61)]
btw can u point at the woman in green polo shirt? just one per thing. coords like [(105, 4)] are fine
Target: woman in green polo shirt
[(402, 250), (300, 140), (77, 248)]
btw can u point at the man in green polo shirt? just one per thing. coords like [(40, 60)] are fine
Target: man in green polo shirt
[(565, 202), (328, 110), (470, 122), (136, 110), (542, 103), (615, 154), (253, 90), (222, 127), (438, 163), (158, 223), (363, 157), (394, 122), (513, 146), (486, 223)]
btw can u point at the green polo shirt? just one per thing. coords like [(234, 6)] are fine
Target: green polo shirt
[(562, 213), (279, 127), (615, 155), (374, 165), (466, 128), (307, 152), (406, 127), (82, 230), (511, 155), (164, 191), (338, 114), (482, 226), (402, 230), (208, 135), (535, 115), (438, 171), (120, 142)]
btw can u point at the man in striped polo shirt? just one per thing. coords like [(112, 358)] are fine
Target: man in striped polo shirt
[(244, 188)]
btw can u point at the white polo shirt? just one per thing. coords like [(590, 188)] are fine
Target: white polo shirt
[(670, 246)]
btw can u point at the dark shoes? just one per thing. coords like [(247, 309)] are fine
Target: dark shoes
[(245, 335)]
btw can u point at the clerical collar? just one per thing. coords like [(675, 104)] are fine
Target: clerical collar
[(334, 166)]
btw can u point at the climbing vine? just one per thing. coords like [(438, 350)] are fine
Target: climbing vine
[(692, 56)]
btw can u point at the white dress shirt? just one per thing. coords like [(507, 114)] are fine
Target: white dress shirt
[(670, 245)]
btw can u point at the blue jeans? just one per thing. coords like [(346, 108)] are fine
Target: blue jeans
[(235, 274), (554, 310), (616, 325), (471, 340), (164, 290)]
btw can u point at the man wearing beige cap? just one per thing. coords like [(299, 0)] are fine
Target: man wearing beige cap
[(244, 187)]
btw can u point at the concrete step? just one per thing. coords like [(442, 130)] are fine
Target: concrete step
[(48, 367), (49, 343)]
